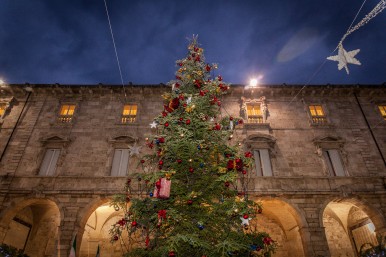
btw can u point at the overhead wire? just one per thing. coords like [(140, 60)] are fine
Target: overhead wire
[(324, 62), (115, 48)]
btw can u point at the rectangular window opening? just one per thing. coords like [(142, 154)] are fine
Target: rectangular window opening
[(2, 109), (254, 113), (129, 113), (120, 163), (334, 162), (49, 163), (262, 163), (382, 109), (317, 114), (66, 113)]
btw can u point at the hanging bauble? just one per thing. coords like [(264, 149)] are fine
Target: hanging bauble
[(134, 223), (172, 254), (166, 124), (189, 202), (187, 122)]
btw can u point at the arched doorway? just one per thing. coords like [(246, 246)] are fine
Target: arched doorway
[(32, 225), (347, 226), (282, 222), (96, 232)]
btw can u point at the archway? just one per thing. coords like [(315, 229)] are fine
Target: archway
[(96, 232), (348, 225), (282, 222), (32, 225)]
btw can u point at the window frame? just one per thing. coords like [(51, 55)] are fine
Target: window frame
[(120, 141), (263, 107), (130, 118), (334, 144), (263, 163), (383, 106), (263, 143), (50, 169), (66, 118), (121, 170), (53, 142), (317, 119)]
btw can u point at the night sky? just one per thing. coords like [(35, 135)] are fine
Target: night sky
[(286, 41)]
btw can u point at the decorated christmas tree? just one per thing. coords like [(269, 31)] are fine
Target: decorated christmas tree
[(191, 197)]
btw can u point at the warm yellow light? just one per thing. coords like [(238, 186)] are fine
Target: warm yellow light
[(2, 82)]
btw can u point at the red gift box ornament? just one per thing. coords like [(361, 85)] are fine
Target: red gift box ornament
[(162, 188)]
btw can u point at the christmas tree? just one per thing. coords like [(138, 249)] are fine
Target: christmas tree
[(191, 196)]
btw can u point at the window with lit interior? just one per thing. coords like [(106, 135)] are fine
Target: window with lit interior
[(382, 109), (129, 113), (2, 109), (254, 113), (66, 113), (318, 115)]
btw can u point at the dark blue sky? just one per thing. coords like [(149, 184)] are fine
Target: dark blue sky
[(69, 42)]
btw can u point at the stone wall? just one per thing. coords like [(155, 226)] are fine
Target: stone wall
[(301, 186)]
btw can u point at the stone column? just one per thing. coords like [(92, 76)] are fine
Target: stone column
[(314, 242), (67, 231)]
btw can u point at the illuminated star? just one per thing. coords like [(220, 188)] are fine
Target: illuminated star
[(153, 124), (344, 58), (134, 150), (189, 100), (245, 222)]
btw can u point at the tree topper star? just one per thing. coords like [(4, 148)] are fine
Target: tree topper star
[(344, 58)]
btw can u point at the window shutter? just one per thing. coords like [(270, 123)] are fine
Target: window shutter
[(336, 162), (266, 163), (120, 162), (256, 155), (50, 160)]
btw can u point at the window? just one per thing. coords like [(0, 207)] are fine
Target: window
[(262, 162), (120, 162), (50, 160), (254, 114), (382, 109), (334, 162), (66, 113), (317, 114), (2, 109), (129, 113)]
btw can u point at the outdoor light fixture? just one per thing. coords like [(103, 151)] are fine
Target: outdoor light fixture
[(254, 82)]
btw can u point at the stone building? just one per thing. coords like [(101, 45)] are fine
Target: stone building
[(319, 152)]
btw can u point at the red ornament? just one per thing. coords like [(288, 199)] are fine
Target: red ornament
[(128, 181), (195, 49), (115, 238), (197, 59), (134, 223), (207, 67), (181, 119), (166, 124), (219, 78), (230, 118), (161, 140), (248, 154), (218, 103), (202, 93), (164, 114), (127, 199), (190, 202), (181, 97), (180, 64), (171, 254), (185, 105), (193, 55), (267, 240), (217, 126), (241, 122), (245, 216), (179, 161), (259, 210), (197, 83), (178, 77), (177, 85), (174, 103), (187, 122), (244, 172), (227, 184), (161, 162), (191, 170)]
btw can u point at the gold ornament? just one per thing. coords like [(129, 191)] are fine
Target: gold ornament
[(222, 170)]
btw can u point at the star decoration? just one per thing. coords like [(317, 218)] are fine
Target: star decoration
[(189, 100), (211, 118), (153, 124), (344, 58), (245, 222), (134, 150)]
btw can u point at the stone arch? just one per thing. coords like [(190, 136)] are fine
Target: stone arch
[(349, 223), (32, 224), (284, 221), (94, 222)]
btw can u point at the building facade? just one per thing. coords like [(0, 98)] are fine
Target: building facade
[(319, 163)]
